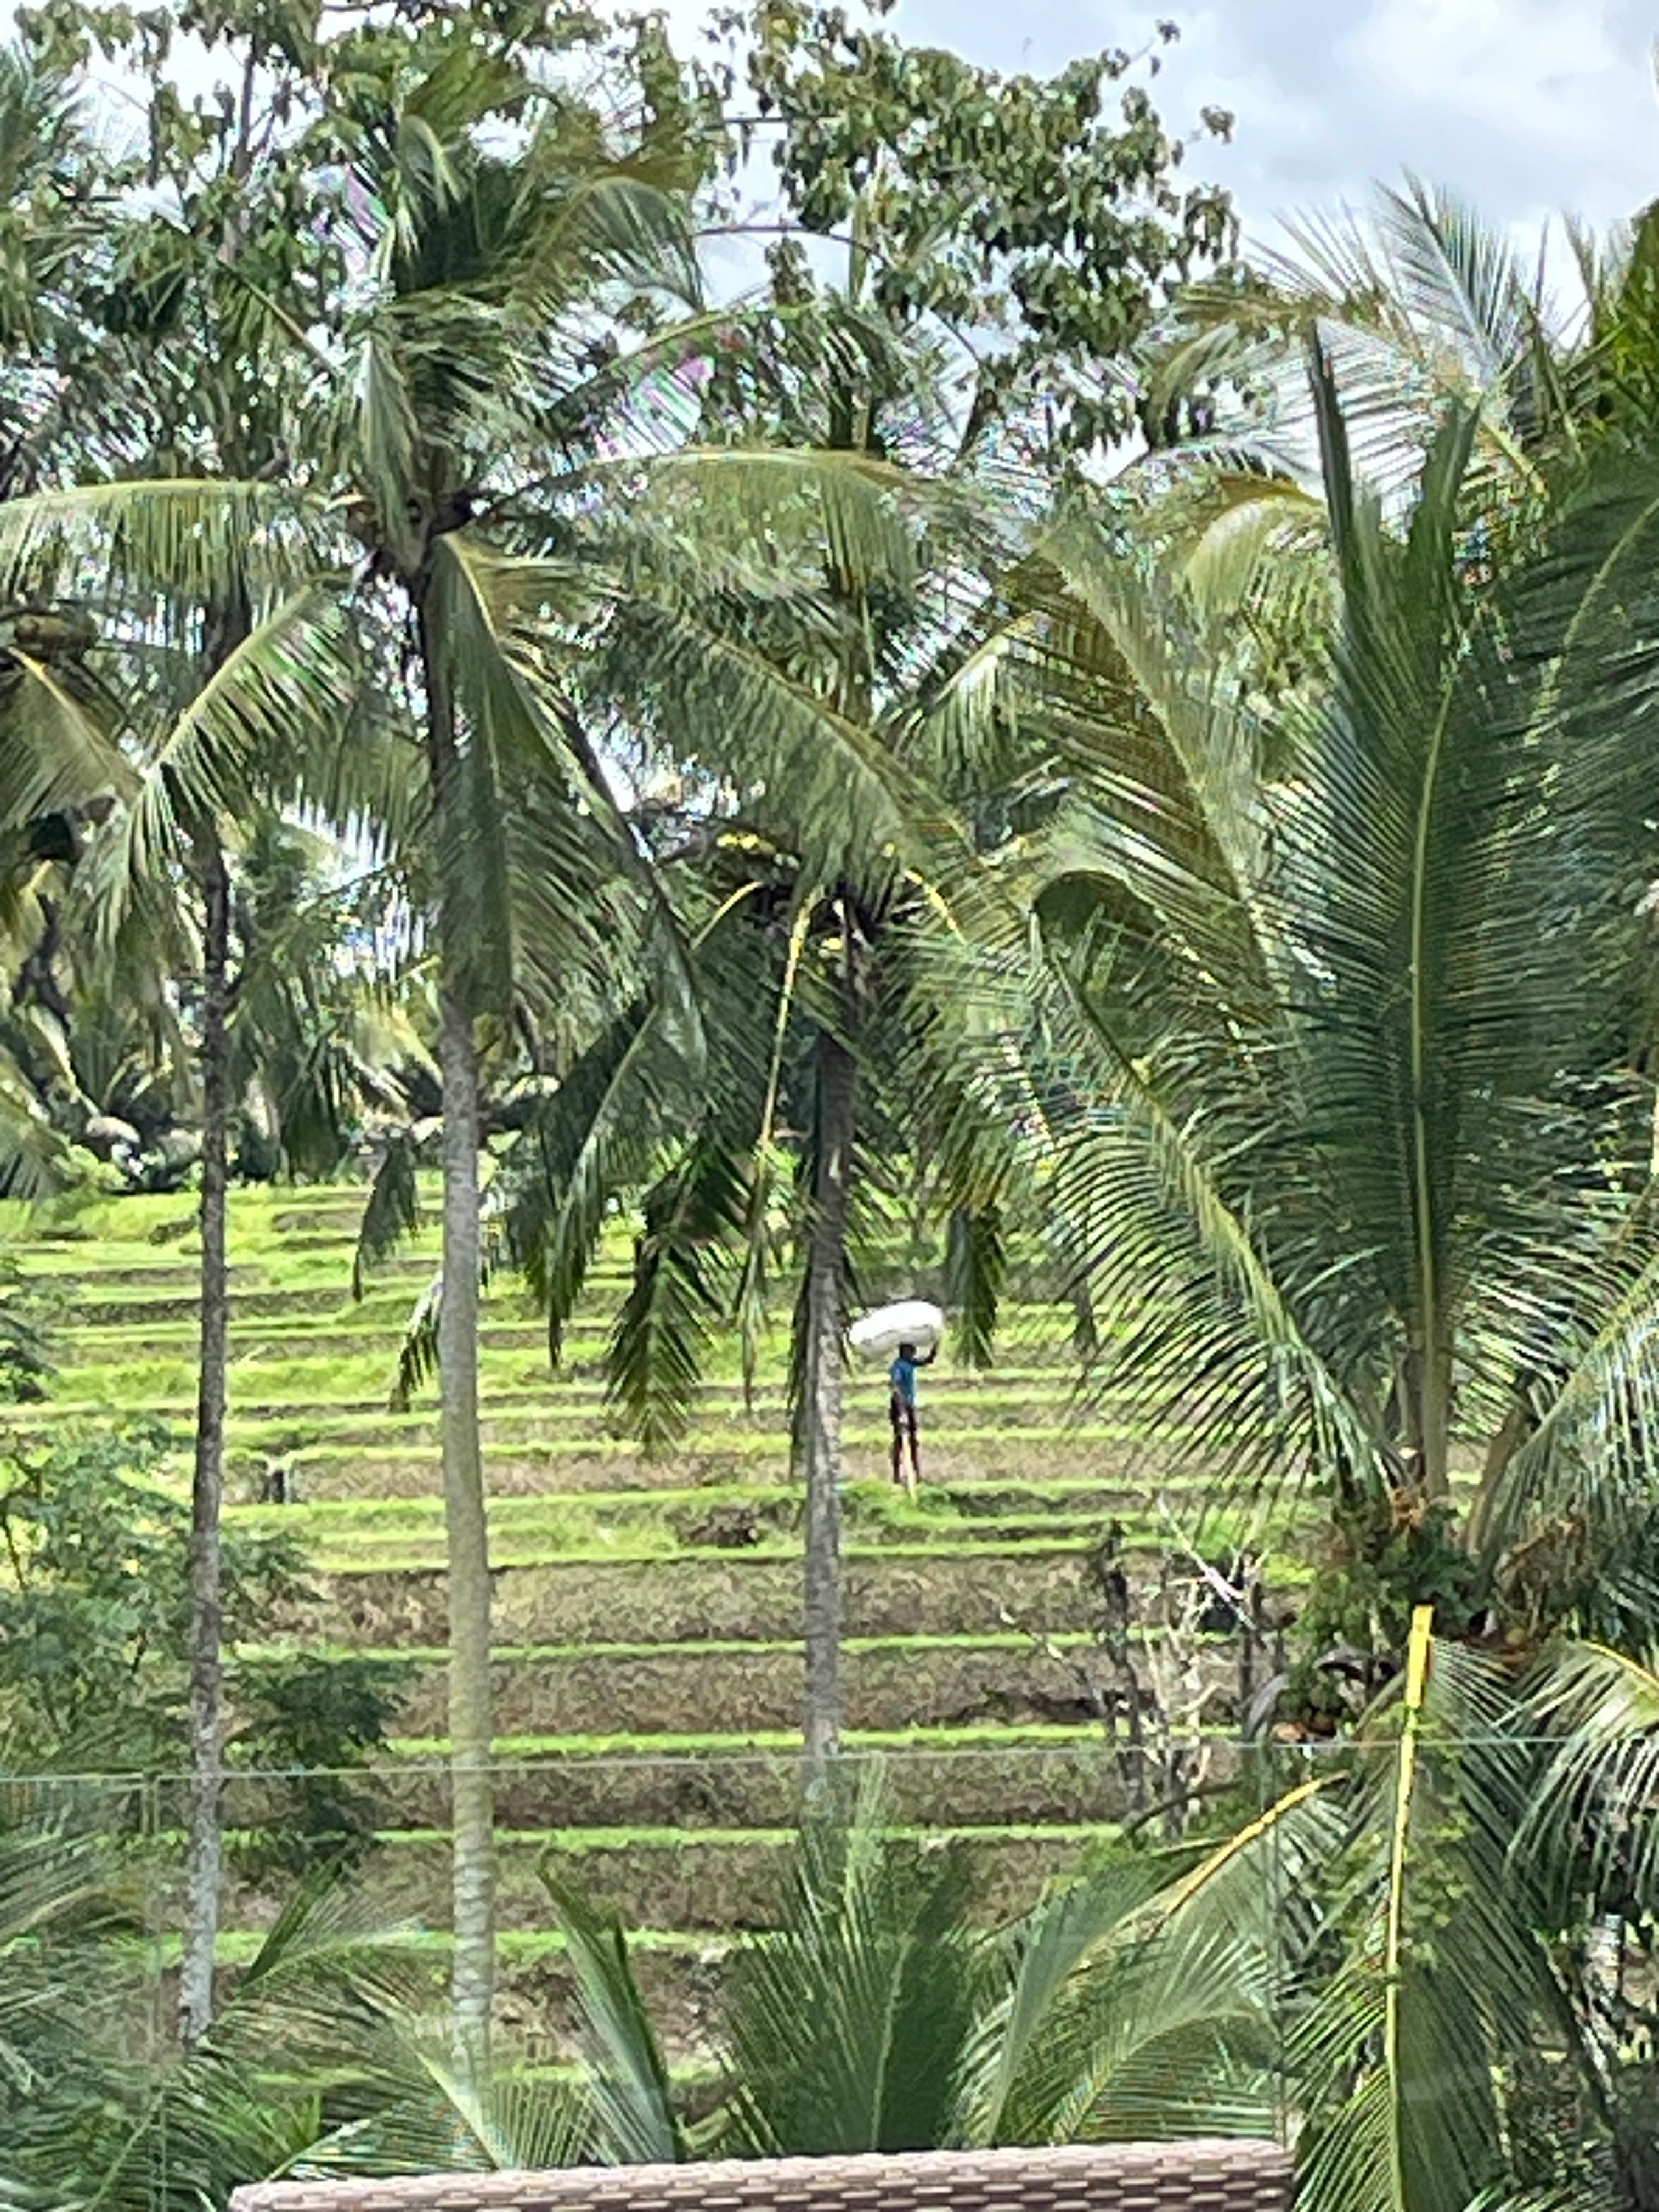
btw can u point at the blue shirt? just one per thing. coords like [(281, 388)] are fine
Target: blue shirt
[(903, 1377)]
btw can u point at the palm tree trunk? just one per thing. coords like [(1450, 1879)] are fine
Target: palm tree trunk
[(826, 1273), (207, 1491), (471, 1732), (471, 1723), (1428, 1419)]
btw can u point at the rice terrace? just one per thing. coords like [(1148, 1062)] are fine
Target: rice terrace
[(648, 1659), (828, 1110)]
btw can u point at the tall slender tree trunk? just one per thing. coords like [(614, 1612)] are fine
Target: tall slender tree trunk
[(1428, 1418), (820, 1431), (207, 1490), (471, 1732), (470, 1723)]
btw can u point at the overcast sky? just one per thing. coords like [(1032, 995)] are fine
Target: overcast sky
[(1530, 108)]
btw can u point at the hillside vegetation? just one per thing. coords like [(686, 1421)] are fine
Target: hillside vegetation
[(648, 1667)]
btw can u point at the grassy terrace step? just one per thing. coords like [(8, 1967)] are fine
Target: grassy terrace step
[(525, 1419), (696, 1684), (523, 1461), (1121, 1476), (350, 1344), (907, 1681), (726, 1598), (1025, 1774), (271, 1404), (652, 1551), (543, 1429), (264, 1392), (175, 1265), (1080, 1779), (706, 1878), (900, 1589), (349, 1551), (516, 1354), (657, 1519), (734, 1524), (96, 1319), (92, 1302), (260, 1214), (96, 1297), (359, 1383), (754, 1525)]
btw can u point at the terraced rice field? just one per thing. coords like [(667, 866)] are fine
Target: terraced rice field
[(646, 1612)]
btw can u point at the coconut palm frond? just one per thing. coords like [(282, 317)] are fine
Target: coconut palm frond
[(1201, 1323), (615, 225), (392, 1211), (1601, 1710), (319, 1989), (278, 687), (538, 880), (589, 1141), (417, 1351), (1458, 279), (843, 2026), (632, 2104), (35, 1158), (1146, 1997), (55, 751), (1416, 2124), (180, 538), (680, 1293)]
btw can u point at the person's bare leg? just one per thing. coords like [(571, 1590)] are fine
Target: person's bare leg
[(898, 1453), (915, 1457)]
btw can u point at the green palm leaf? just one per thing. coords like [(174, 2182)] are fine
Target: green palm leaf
[(177, 538), (843, 2027), (1599, 1784), (54, 751), (633, 2108)]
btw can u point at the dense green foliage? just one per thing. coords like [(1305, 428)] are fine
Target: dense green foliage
[(748, 770), (94, 1637)]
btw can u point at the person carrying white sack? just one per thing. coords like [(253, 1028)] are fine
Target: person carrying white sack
[(902, 1410), (910, 1330)]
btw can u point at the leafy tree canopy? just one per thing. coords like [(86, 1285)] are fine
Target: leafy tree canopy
[(1034, 226)]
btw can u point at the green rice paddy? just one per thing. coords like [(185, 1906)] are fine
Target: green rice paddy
[(648, 1670)]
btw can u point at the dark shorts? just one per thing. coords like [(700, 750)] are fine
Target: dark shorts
[(901, 1413)]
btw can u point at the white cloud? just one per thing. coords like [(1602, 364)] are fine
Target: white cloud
[(1526, 108), (1550, 78), (1527, 66)]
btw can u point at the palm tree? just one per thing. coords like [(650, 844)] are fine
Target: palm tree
[(827, 832), (1133, 2000), (1421, 303), (56, 190), (1410, 1958), (1337, 1015), (218, 666), (56, 1913), (195, 741), (1458, 2026), (460, 372), (468, 380), (92, 2117), (879, 2015), (1413, 1958)]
